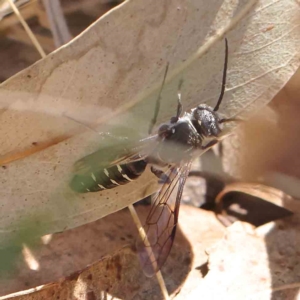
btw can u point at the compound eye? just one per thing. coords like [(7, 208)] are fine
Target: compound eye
[(196, 114), (174, 120), (163, 130), (201, 107)]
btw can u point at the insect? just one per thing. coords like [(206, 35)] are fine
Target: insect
[(169, 154)]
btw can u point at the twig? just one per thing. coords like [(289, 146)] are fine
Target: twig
[(149, 249), (27, 29), (58, 24), (287, 287)]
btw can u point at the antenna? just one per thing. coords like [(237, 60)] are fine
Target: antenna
[(224, 77)]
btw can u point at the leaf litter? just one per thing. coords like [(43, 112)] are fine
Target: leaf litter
[(35, 106), (248, 89)]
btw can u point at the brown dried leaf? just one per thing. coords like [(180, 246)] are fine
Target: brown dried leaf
[(252, 202), (269, 150), (119, 274)]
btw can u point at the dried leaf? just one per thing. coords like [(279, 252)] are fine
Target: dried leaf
[(118, 273), (254, 203), (272, 154), (247, 264)]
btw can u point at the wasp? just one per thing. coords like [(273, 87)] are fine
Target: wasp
[(169, 153)]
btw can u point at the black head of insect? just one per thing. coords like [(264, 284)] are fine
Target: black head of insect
[(187, 133), (205, 118)]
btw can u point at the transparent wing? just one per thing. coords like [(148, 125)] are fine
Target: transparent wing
[(161, 223), (122, 152), (88, 169)]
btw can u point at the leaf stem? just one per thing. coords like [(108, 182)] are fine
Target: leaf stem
[(27, 29)]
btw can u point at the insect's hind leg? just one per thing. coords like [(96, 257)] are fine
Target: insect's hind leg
[(161, 175)]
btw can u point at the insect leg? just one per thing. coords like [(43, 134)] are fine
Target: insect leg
[(179, 103), (157, 104), (209, 145), (161, 175), (230, 120)]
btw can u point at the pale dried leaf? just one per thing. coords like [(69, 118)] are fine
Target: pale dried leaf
[(249, 264), (5, 8), (116, 64)]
